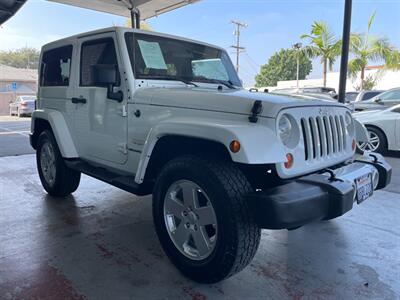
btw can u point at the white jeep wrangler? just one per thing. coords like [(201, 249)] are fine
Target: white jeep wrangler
[(156, 114)]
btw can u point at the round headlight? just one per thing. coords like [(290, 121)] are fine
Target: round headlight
[(284, 129)]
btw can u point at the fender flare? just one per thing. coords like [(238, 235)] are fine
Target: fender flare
[(253, 149), (60, 131)]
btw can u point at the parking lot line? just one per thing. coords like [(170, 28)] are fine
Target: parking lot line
[(9, 131), (24, 133)]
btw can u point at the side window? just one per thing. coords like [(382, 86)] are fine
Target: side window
[(55, 67), (391, 95), (94, 53)]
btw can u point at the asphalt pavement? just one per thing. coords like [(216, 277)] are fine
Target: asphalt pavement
[(14, 136)]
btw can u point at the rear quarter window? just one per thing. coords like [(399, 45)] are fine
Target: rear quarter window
[(56, 67)]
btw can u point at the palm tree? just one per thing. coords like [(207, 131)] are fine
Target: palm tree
[(323, 44), (366, 48)]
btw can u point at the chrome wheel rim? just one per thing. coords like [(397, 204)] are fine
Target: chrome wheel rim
[(190, 219), (373, 143), (48, 163)]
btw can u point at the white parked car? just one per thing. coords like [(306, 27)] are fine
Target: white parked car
[(383, 128), (156, 114), (22, 105)]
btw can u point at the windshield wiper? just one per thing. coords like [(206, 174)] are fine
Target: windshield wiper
[(186, 81), (226, 83)]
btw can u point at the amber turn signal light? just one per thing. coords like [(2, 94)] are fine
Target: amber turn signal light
[(289, 161), (234, 146)]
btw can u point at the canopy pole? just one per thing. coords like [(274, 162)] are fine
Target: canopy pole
[(135, 17), (345, 50)]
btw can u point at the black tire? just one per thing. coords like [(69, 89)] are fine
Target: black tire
[(383, 146), (238, 234), (66, 180)]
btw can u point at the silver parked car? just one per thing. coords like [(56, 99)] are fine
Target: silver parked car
[(383, 127), (380, 102), (22, 106), (366, 95)]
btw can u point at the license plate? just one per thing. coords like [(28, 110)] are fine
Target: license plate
[(364, 187)]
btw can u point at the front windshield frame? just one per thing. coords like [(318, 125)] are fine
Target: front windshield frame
[(132, 38)]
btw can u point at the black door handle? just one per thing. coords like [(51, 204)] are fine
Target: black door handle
[(78, 100)]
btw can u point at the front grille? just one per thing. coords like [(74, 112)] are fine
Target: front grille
[(323, 136)]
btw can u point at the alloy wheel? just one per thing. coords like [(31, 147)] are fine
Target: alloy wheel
[(190, 219)]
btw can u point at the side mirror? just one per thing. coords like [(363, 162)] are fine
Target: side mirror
[(107, 76), (378, 100)]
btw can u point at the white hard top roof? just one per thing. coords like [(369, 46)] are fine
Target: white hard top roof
[(147, 8)]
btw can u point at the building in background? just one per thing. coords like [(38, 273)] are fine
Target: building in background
[(385, 80), (15, 82)]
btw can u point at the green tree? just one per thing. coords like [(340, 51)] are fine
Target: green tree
[(323, 44), (367, 48), (282, 65), (20, 58)]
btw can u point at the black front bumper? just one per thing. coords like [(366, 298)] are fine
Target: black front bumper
[(310, 198)]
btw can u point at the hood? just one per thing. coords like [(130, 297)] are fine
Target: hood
[(228, 100)]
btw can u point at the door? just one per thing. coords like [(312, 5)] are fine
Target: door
[(100, 120)]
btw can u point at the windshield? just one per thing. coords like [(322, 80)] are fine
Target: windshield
[(170, 59)]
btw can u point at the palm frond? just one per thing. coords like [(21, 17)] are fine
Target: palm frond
[(371, 20), (355, 65)]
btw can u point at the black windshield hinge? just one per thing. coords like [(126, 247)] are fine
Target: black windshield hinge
[(255, 111)]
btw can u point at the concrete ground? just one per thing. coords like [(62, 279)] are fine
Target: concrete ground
[(100, 243)]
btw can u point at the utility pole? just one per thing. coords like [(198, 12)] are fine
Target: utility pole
[(237, 47), (297, 47)]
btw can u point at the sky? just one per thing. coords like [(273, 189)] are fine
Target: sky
[(271, 25)]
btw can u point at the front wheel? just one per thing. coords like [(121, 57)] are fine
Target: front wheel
[(57, 179), (203, 222)]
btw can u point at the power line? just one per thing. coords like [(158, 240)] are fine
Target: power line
[(237, 47)]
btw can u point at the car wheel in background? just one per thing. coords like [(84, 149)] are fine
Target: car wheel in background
[(377, 142)]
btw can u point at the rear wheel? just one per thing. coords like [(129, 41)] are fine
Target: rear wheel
[(203, 222), (377, 142), (57, 179)]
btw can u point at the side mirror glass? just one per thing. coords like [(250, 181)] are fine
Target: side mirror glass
[(107, 76)]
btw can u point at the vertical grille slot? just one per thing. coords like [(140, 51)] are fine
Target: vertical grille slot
[(316, 137), (322, 136), (344, 132), (339, 132), (329, 137), (334, 134), (308, 143)]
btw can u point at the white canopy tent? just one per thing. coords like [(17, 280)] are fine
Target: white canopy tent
[(147, 8)]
